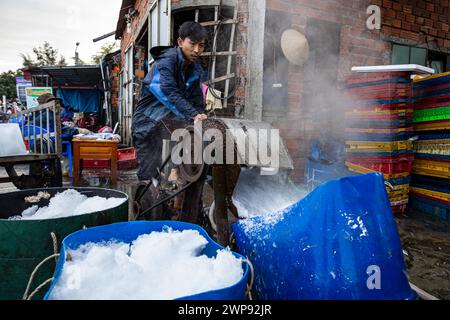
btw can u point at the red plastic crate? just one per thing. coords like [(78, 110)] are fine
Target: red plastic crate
[(126, 160), (387, 91), (432, 102), (127, 164), (380, 117), (380, 107), (382, 159), (387, 168), (27, 145), (126, 154), (377, 76), (423, 90)]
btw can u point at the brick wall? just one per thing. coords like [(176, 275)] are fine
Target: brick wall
[(115, 90), (142, 6), (417, 20), (413, 20), (358, 46)]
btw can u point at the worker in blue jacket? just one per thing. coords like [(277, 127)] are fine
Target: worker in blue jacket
[(170, 91)]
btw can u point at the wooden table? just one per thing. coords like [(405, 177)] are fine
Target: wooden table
[(96, 150)]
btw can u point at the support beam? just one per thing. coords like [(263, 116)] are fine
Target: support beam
[(255, 67)]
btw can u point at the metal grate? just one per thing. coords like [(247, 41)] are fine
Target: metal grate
[(221, 52)]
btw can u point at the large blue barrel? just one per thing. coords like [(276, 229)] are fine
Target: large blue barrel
[(340, 242), (130, 231)]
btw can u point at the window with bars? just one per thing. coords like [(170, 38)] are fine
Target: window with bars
[(220, 54), (403, 54)]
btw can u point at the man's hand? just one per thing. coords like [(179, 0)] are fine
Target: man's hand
[(200, 117)]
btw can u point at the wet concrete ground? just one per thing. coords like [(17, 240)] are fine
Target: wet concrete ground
[(426, 241)]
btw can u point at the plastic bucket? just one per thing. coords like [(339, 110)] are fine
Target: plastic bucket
[(128, 232), (25, 243), (339, 243)]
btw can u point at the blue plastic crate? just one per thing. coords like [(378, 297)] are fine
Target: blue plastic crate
[(430, 207)]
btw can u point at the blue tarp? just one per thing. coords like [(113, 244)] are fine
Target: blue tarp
[(339, 243), (80, 100)]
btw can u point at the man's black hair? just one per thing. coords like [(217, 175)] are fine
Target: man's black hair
[(192, 30)]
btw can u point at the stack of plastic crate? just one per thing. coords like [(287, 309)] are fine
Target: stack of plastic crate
[(379, 130), (430, 189)]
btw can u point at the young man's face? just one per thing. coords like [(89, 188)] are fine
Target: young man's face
[(192, 50)]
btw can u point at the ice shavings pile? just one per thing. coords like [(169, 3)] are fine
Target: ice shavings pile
[(69, 203), (156, 266), (256, 225)]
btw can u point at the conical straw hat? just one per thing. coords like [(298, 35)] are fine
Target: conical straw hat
[(295, 47)]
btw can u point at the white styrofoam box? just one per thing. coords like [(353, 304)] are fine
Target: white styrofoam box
[(395, 68), (11, 141)]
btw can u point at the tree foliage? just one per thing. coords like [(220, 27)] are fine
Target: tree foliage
[(45, 55), (8, 84), (105, 50)]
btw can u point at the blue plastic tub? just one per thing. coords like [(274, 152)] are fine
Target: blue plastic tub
[(339, 243), (130, 231)]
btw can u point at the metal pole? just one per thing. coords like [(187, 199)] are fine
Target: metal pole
[(4, 104), (41, 132), (34, 132), (48, 130), (105, 102)]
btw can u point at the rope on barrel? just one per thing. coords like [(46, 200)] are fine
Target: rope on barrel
[(30, 281), (40, 287), (55, 245), (252, 278)]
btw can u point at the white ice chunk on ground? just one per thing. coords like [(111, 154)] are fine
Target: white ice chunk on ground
[(69, 203), (157, 266)]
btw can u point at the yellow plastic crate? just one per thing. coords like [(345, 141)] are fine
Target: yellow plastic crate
[(438, 147), (400, 193), (432, 165), (377, 146), (440, 75), (432, 193), (356, 113), (398, 198), (404, 187), (431, 173), (444, 125)]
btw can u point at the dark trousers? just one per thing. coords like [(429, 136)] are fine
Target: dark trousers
[(149, 144)]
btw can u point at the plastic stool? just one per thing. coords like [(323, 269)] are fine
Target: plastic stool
[(68, 153)]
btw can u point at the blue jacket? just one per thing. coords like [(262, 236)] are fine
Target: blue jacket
[(168, 92)]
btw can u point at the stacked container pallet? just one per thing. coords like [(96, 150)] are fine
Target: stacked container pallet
[(430, 189), (379, 130)]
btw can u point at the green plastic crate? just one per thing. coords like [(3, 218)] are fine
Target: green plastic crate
[(434, 114)]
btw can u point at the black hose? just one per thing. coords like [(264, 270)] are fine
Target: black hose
[(166, 199)]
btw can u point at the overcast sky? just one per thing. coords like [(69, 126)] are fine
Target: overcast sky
[(25, 24)]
